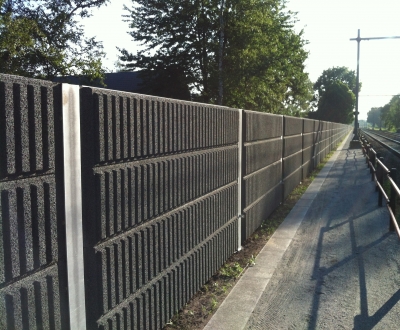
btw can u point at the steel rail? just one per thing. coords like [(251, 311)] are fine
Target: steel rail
[(394, 151), (394, 221), (387, 138), (383, 166), (394, 185)]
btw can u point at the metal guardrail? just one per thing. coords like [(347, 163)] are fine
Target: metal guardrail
[(378, 173)]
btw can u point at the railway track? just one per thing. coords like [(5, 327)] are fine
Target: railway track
[(388, 140)]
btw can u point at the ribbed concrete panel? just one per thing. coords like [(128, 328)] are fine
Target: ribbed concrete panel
[(292, 163), (26, 126), (292, 125), (292, 145), (135, 192), (32, 245), (307, 168), (29, 228), (308, 154), (133, 126), (309, 139), (262, 154), (160, 203), (32, 302), (263, 169), (261, 126), (259, 183), (291, 182), (309, 125), (257, 212)]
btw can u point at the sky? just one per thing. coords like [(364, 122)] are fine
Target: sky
[(328, 26)]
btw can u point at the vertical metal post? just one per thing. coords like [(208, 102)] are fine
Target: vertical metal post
[(73, 205), (376, 165), (393, 196), (366, 153), (241, 166), (380, 180), (372, 161), (357, 87)]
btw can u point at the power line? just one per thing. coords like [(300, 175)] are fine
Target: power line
[(379, 94)]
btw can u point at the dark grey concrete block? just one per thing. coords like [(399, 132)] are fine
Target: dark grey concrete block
[(309, 125), (259, 155), (292, 181), (292, 164), (259, 183), (292, 125), (292, 144), (258, 212), (308, 140), (261, 126)]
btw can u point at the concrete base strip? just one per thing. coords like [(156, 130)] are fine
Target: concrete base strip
[(236, 309)]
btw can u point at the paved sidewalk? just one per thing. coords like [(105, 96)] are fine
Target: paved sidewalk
[(332, 264)]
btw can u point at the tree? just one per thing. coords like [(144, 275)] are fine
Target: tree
[(264, 58), (243, 53), (374, 117), (336, 104), (332, 75), (394, 111), (174, 34), (42, 39), (385, 116)]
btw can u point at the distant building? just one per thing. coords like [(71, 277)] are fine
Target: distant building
[(120, 81), (168, 83)]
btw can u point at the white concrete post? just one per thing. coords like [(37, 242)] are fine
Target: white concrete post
[(240, 179), (73, 205)]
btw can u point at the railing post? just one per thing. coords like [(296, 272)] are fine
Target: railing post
[(372, 161), (379, 176), (366, 153), (393, 196), (376, 166)]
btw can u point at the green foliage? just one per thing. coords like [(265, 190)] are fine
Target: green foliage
[(213, 304), (334, 95), (246, 49), (42, 39), (374, 117), (252, 261), (334, 74), (394, 111), (385, 116), (336, 104), (232, 270), (264, 58)]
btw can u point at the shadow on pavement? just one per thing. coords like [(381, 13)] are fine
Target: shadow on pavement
[(365, 322), (357, 254)]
